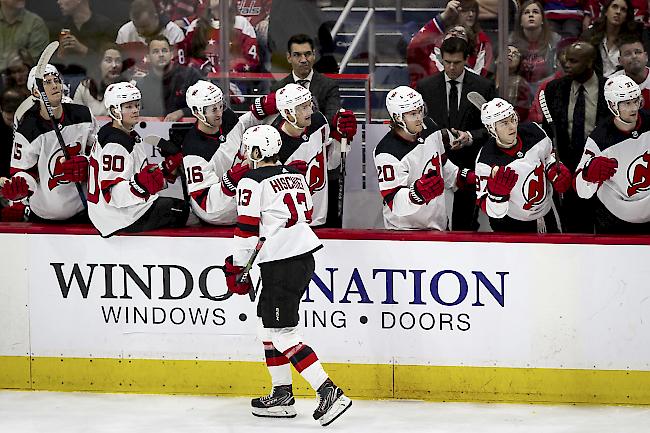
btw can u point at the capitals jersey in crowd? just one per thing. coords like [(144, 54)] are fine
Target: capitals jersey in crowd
[(532, 196), (399, 164), (206, 158), (627, 193), (312, 147), (254, 10), (274, 202), (244, 56), (37, 156), (115, 159)]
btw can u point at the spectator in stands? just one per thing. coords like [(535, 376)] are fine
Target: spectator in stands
[(423, 52), (258, 14), (634, 58), (81, 32), (594, 9), (301, 55), (20, 28), (565, 16), (518, 93), (18, 65), (90, 91), (134, 36), (460, 116), (536, 42), (182, 12), (201, 46), (616, 21), (164, 87), (577, 104), (535, 113)]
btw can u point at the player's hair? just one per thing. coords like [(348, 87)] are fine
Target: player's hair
[(455, 45), (300, 38)]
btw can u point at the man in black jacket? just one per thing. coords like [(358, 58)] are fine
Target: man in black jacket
[(163, 89), (577, 104), (445, 96)]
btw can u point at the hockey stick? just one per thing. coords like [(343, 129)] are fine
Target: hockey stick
[(244, 275), (154, 140), (344, 153), (40, 72), (547, 115), (476, 99)]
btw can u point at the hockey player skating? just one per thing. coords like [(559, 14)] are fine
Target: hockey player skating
[(41, 175), (516, 171), (273, 201), (306, 141), (615, 164), (211, 151), (122, 184), (412, 167)]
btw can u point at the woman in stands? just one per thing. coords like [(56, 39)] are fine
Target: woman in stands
[(90, 91)]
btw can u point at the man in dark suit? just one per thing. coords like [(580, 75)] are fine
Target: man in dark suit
[(325, 91), (577, 104), (445, 96), (301, 56)]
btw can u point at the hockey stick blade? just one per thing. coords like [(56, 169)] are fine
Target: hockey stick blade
[(476, 99), (47, 54), (152, 140)]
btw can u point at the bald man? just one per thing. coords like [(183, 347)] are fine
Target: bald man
[(577, 104)]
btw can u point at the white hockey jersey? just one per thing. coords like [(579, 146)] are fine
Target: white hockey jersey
[(274, 202), (532, 156), (114, 160), (312, 147), (399, 164), (37, 156), (206, 158), (627, 193)]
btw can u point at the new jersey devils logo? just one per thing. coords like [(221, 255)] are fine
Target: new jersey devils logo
[(433, 164), (316, 173), (55, 165), (534, 187), (638, 175)]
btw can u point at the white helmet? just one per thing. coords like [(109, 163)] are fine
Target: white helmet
[(494, 111), (200, 95), (117, 94), (265, 137), (288, 98), (31, 79), (620, 88), (402, 100)]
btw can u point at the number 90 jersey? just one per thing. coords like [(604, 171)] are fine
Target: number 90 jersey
[(274, 202), (115, 158)]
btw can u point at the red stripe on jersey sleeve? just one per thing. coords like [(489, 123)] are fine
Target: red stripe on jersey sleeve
[(106, 185), (201, 198), (248, 220), (244, 234), (33, 172)]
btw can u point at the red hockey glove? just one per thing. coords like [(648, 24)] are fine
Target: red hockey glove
[(13, 213), (299, 165), (149, 181), (600, 169), (75, 169), (426, 188), (15, 189), (231, 178), (232, 273), (466, 178), (264, 106), (170, 165), (560, 178), (500, 185), (344, 124)]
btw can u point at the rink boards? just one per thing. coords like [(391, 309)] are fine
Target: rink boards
[(408, 315)]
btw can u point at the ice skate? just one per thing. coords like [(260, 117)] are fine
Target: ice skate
[(331, 403), (278, 404)]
